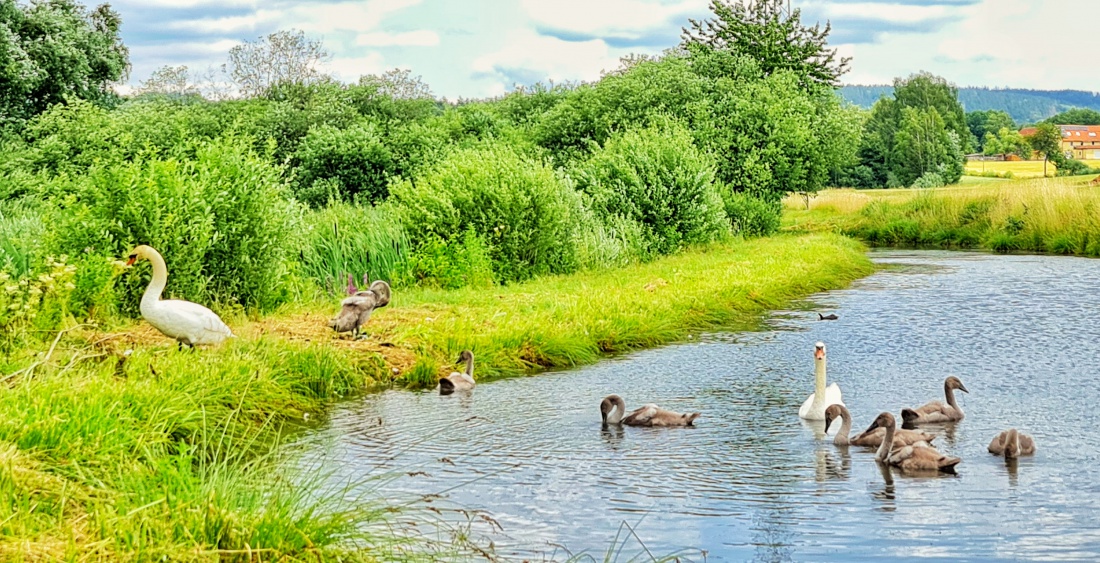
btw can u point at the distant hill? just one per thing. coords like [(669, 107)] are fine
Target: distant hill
[(1025, 106)]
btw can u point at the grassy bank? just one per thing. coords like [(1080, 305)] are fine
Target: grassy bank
[(158, 454), (1051, 215)]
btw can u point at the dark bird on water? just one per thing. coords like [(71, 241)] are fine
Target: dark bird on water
[(829, 317)]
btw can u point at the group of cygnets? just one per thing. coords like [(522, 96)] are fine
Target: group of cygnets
[(909, 449)]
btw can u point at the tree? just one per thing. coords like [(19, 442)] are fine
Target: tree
[(1006, 141), (169, 81), (1076, 116), (286, 56), (398, 84), (985, 122), (767, 32), (51, 51), (1047, 141), (925, 90)]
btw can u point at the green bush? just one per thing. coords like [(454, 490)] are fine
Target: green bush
[(459, 262), (222, 221), (751, 216), (929, 179), (524, 211), (355, 157), (658, 179)]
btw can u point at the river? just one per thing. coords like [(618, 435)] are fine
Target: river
[(751, 481)]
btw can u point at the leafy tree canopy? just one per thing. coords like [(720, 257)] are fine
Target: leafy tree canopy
[(286, 56), (984, 122), (54, 50), (1076, 116), (767, 32)]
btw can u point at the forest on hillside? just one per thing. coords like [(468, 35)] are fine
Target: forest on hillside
[(1025, 106)]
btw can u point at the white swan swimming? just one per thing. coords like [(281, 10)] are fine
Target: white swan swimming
[(189, 323), (822, 397)]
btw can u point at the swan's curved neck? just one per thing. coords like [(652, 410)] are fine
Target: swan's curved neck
[(617, 411), (160, 279), (470, 366), (949, 393), (819, 382), (887, 443), (841, 438)]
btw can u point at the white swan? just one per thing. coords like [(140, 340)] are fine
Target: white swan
[(822, 397), (189, 323)]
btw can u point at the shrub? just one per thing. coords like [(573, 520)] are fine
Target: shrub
[(222, 221), (929, 179), (611, 243), (355, 157), (459, 262), (658, 179), (526, 214), (751, 216)]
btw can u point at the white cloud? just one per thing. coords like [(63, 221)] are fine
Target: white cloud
[(896, 13), (616, 17), (553, 58), (349, 69), (419, 38)]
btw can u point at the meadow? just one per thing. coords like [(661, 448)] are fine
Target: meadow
[(1046, 215)]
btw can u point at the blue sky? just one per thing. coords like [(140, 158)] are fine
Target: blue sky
[(477, 48)]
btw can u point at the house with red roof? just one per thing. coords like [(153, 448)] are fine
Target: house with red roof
[(1078, 141)]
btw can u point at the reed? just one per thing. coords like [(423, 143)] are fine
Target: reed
[(1060, 216), (352, 239)]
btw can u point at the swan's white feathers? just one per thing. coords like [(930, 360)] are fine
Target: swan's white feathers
[(833, 396), (187, 322)]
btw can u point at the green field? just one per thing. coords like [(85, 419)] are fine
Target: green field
[(1018, 169)]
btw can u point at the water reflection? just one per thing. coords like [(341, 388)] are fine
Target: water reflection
[(752, 481)]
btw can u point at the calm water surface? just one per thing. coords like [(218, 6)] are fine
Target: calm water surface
[(751, 481)]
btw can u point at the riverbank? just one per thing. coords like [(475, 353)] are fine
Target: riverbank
[(1049, 215), (116, 446)]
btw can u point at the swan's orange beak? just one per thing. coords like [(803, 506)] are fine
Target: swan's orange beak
[(130, 261), (819, 354)]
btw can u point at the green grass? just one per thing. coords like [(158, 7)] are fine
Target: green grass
[(562, 321), (175, 455), (1060, 216)]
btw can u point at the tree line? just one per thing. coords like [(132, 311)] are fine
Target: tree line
[(290, 179)]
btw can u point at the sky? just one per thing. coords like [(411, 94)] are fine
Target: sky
[(481, 48)]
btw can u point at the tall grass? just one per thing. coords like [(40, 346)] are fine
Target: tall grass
[(166, 455), (351, 239), (1060, 216), (21, 232)]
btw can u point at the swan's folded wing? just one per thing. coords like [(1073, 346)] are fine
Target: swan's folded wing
[(641, 416), (203, 324)]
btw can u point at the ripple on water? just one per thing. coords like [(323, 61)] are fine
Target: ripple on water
[(751, 481)]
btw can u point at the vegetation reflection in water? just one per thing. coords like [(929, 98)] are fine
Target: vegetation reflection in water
[(752, 481)]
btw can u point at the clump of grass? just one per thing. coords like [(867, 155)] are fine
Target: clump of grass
[(352, 239), (161, 454)]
